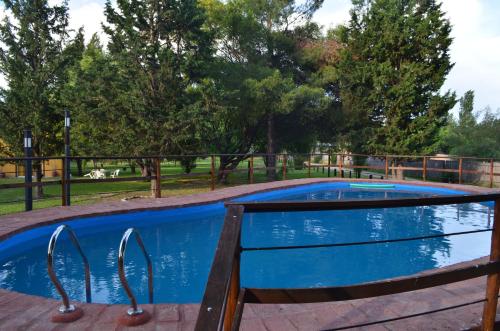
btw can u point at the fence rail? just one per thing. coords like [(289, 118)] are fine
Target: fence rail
[(17, 173), (224, 298)]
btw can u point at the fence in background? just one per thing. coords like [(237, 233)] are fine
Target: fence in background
[(46, 181)]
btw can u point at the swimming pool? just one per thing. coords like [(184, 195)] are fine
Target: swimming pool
[(182, 241)]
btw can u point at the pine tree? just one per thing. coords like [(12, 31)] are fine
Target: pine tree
[(391, 72), (35, 54), (162, 50)]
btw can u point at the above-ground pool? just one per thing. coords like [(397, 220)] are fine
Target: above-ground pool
[(182, 241)]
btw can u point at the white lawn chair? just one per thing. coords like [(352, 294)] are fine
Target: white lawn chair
[(91, 174), (115, 173), (100, 174)]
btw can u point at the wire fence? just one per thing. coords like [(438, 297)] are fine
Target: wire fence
[(40, 182)]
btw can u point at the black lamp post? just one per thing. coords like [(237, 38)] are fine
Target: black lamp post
[(67, 161)]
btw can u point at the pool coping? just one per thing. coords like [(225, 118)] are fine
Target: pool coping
[(181, 316)]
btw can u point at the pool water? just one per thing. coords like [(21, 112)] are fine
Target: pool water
[(181, 243)]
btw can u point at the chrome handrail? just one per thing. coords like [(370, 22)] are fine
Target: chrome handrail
[(134, 310), (66, 307)]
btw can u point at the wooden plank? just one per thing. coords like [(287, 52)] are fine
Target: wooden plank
[(386, 169), (365, 167), (33, 184), (239, 311), (158, 178), (284, 166), (460, 169), (329, 162), (280, 206), (491, 173), (493, 281), (234, 292), (309, 167), (212, 173), (251, 169), (424, 170), (211, 313), (368, 290)]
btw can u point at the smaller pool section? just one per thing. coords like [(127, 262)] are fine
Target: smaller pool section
[(182, 243)]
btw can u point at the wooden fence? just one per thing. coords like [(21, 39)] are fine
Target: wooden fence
[(224, 299), (330, 164)]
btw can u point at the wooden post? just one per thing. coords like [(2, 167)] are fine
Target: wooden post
[(284, 166), (234, 291), (492, 284), (158, 178), (212, 173), (329, 163), (491, 173), (63, 183), (386, 167), (251, 169), (309, 167), (424, 169), (460, 171)]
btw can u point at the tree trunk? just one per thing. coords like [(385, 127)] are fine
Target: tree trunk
[(79, 165), (271, 157), (39, 176), (132, 166), (226, 164)]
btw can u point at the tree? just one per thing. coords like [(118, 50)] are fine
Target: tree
[(162, 50), (391, 70), (262, 42), (470, 136), (102, 103), (35, 54)]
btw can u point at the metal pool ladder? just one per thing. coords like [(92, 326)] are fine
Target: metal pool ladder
[(66, 307), (134, 309)]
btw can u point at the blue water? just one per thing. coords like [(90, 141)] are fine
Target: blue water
[(182, 241)]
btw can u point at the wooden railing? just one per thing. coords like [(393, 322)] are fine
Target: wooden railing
[(224, 299), (332, 164)]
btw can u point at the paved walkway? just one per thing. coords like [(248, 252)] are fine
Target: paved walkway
[(25, 312)]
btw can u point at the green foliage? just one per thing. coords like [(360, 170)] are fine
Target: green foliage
[(103, 105), (35, 54), (469, 136), (162, 50), (391, 71)]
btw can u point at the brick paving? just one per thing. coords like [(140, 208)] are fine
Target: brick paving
[(25, 312)]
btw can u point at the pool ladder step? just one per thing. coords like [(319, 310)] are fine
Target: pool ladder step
[(68, 312)]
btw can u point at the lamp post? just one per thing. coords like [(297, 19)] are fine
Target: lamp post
[(67, 161), (28, 172)]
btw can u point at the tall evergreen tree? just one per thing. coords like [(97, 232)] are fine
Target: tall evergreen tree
[(163, 50), (35, 54), (391, 72)]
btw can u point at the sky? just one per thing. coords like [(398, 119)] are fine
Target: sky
[(475, 49)]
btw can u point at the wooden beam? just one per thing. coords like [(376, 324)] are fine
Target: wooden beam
[(493, 281), (368, 290), (284, 166), (424, 170), (280, 206), (212, 310), (491, 173), (212, 173)]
